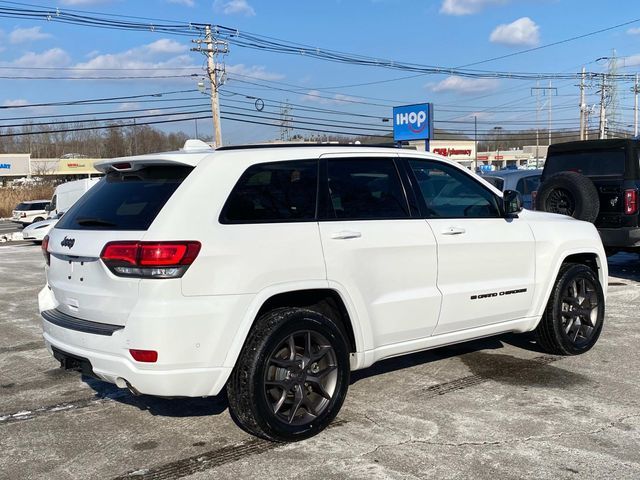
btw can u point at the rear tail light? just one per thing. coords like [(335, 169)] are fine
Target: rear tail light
[(534, 194), (149, 259), (146, 356), (22, 215), (630, 201), (45, 249)]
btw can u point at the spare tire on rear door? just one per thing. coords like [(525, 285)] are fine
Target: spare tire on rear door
[(569, 193)]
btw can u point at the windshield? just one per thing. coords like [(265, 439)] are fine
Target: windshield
[(125, 200)]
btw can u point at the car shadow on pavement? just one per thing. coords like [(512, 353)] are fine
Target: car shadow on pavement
[(427, 356), (625, 265), (169, 407)]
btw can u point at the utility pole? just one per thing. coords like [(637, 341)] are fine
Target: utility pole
[(548, 92), (583, 107), (475, 142), (635, 107), (285, 122), (603, 108), (216, 74)]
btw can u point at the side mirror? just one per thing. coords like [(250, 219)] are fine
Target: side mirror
[(47, 208), (512, 202)]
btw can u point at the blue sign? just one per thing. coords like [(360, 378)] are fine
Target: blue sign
[(5, 166), (413, 122)]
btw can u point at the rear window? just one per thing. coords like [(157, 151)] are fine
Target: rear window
[(496, 182), (595, 163), (125, 200)]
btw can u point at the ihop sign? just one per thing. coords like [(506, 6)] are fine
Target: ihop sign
[(413, 122)]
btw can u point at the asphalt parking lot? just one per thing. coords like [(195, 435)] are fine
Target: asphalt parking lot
[(495, 408), (7, 226)]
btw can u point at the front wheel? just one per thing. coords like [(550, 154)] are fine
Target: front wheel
[(574, 316), (292, 375)]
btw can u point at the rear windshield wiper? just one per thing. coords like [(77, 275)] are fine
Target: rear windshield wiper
[(94, 222)]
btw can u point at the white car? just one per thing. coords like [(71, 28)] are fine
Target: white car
[(38, 230), (30, 212), (275, 271)]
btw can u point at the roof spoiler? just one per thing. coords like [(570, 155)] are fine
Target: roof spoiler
[(190, 154)]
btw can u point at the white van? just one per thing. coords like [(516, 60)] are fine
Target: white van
[(66, 194)]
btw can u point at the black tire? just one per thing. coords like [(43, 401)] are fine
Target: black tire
[(569, 193), (256, 381), (37, 219), (559, 322)]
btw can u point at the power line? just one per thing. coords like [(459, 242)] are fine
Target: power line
[(90, 101)]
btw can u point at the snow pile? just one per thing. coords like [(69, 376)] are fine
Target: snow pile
[(11, 237)]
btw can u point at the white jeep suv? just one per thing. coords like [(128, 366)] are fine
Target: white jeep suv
[(275, 271)]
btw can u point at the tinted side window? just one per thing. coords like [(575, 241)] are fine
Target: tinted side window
[(365, 189), (496, 182), (451, 193), (274, 192), (527, 185)]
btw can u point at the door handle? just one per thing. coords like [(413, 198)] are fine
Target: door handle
[(454, 231), (345, 234)]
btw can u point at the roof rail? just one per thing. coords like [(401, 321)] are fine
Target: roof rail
[(293, 145)]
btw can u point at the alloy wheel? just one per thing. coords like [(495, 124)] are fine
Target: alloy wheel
[(301, 377)]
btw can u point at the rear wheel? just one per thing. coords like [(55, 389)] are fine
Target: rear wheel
[(574, 316), (292, 375), (37, 219)]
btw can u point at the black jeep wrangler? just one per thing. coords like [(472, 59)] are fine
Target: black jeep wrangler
[(596, 181)]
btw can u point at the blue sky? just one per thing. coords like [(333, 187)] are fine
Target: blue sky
[(443, 32)]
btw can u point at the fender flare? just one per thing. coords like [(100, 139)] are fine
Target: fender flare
[(360, 330)]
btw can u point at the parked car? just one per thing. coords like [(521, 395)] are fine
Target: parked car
[(596, 181), (30, 212), (307, 263), (64, 196), (38, 230), (524, 181)]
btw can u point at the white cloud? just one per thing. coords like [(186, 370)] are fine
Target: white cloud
[(631, 60), (164, 45), (316, 96), (21, 102), (128, 106), (523, 31), (634, 31), (17, 102), (54, 57), (162, 54), (467, 7), (233, 7), (465, 86), (185, 3), (254, 71), (23, 35)]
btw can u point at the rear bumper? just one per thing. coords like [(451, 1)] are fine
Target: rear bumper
[(191, 346), (620, 237), (120, 370)]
